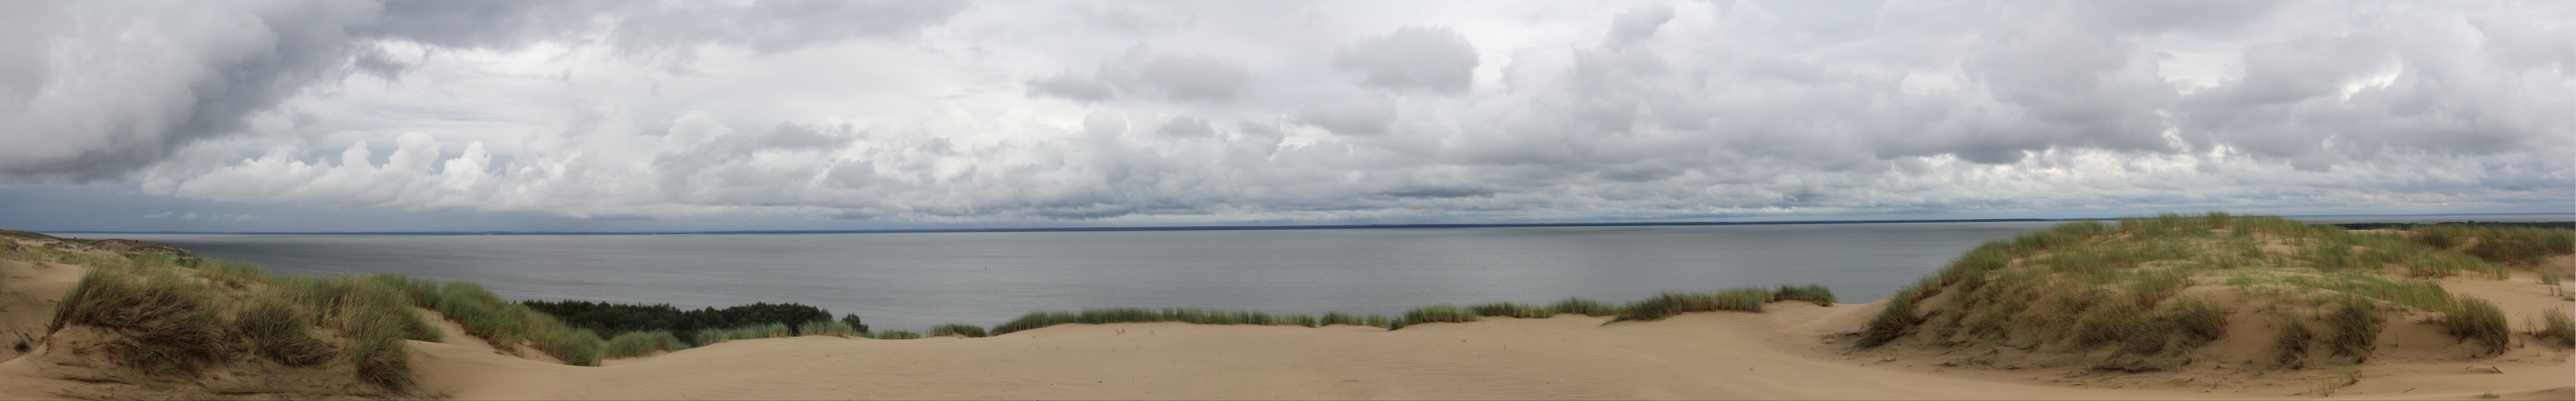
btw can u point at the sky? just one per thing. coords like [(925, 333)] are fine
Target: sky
[(585, 115)]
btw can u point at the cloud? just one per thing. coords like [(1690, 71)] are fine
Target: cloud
[(1168, 76), (102, 89), (933, 113), (1428, 58)]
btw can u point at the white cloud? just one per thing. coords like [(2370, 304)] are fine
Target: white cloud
[(1202, 112)]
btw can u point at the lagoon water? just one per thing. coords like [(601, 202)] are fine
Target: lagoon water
[(910, 281)]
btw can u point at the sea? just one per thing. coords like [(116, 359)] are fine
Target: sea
[(910, 281)]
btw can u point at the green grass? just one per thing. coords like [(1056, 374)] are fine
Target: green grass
[(1811, 293), (712, 335), (957, 329), (1580, 306), (2353, 327), (642, 343), (1674, 303), (2554, 323), (169, 321), (1510, 309), (1441, 313), (2522, 246), (759, 331), (2290, 346), (833, 328), (2475, 320), (896, 335), (280, 331)]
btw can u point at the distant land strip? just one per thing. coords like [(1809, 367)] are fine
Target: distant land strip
[(2352, 226)]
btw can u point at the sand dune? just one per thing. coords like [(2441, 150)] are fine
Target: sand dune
[(1793, 350), (1775, 355)]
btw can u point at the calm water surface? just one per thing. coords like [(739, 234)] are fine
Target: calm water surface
[(915, 280)]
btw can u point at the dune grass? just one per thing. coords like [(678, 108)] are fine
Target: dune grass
[(175, 321), (957, 329), (1674, 303), (2554, 324), (641, 343), (2475, 320), (2290, 345), (2089, 285), (1580, 306), (833, 328), (895, 335), (759, 331)]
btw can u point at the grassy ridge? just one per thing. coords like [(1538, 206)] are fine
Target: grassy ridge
[(2091, 285), (1657, 307), (172, 320)]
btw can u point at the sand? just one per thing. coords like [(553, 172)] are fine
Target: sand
[(1794, 350), (1774, 355)]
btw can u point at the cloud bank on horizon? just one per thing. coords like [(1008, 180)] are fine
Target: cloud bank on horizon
[(943, 112)]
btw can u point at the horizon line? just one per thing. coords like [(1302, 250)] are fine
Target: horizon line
[(1207, 228)]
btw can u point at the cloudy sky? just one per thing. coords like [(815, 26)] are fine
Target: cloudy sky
[(615, 115)]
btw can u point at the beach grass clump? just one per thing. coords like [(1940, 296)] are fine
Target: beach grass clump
[(2513, 245), (575, 346), (1510, 309), (2352, 327), (957, 329), (169, 322), (2290, 345), (897, 335), (641, 343), (2554, 324), (1441, 313), (2199, 320), (711, 335), (1674, 303), (1891, 321), (2475, 320), (759, 331), (1580, 306), (1333, 318), (833, 328), (280, 331), (1811, 293)]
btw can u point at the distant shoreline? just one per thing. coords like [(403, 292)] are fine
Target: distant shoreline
[(1198, 228)]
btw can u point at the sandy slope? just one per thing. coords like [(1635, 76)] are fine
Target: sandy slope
[(1695, 356)]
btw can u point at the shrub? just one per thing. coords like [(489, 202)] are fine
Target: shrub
[(957, 329)]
